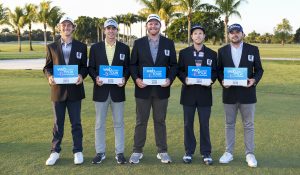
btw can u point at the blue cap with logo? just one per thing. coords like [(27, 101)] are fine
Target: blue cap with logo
[(197, 26), (236, 27)]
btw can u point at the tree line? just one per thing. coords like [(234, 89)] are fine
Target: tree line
[(178, 17)]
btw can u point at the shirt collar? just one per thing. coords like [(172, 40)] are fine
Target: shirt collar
[(64, 43), (107, 44), (240, 47), (149, 39)]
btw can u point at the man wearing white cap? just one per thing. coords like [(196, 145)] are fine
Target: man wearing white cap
[(152, 50), (113, 53), (66, 51)]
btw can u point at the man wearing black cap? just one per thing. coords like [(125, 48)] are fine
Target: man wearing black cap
[(196, 96), (114, 53), (66, 51), (153, 50), (238, 54)]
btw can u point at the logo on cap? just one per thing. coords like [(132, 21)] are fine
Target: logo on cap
[(153, 16), (236, 27), (110, 22)]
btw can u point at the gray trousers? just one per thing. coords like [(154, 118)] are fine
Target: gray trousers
[(247, 113), (143, 107), (100, 126)]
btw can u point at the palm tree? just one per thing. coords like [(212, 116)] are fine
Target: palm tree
[(141, 18), (17, 21), (130, 19), (44, 15), (30, 17), (3, 14), (164, 8), (55, 15), (228, 8), (101, 25), (168, 13), (124, 22), (119, 20), (188, 7)]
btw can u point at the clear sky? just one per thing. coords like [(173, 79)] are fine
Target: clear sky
[(259, 15)]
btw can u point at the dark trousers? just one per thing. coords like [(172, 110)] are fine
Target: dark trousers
[(189, 136), (59, 109), (159, 107)]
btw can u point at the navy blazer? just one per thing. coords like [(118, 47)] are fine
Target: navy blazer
[(238, 94), (196, 95), (61, 92), (98, 57), (141, 57)]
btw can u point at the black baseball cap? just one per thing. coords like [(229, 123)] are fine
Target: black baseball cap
[(236, 27), (197, 26)]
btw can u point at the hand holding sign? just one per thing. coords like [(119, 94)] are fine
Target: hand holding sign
[(51, 80), (139, 82), (99, 82), (123, 82), (79, 80), (168, 82)]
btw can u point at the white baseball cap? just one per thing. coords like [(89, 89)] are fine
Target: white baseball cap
[(110, 22), (66, 18), (153, 16)]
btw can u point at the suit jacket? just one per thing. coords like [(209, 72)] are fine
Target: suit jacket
[(196, 95), (141, 57), (237, 94), (62, 92), (98, 57)]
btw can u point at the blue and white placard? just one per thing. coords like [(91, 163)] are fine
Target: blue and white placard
[(65, 74), (154, 75), (111, 74), (199, 75), (235, 76)]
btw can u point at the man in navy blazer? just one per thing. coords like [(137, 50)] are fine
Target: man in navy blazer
[(114, 53), (239, 55), (152, 50), (195, 96), (66, 51)]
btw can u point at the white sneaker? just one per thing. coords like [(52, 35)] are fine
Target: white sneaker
[(135, 158), (78, 158), (226, 158), (250, 159), (52, 159), (164, 157)]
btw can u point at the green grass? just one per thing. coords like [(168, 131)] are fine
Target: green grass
[(26, 124), (10, 50)]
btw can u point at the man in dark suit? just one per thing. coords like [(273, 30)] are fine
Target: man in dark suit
[(195, 96), (66, 51), (152, 50), (114, 53), (239, 55)]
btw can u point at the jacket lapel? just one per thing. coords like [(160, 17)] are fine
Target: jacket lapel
[(73, 53), (229, 56), (243, 57), (160, 51), (115, 58), (60, 53), (147, 49), (103, 51)]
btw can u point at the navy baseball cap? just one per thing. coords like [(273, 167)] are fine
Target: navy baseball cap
[(236, 27), (197, 26)]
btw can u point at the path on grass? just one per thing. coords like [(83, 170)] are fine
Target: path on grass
[(38, 64)]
